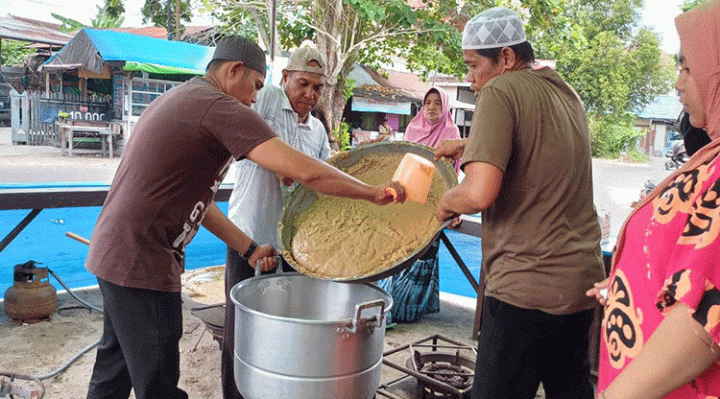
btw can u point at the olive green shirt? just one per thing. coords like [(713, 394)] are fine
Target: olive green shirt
[(540, 238)]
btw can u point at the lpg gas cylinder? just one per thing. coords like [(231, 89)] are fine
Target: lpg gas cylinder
[(31, 297)]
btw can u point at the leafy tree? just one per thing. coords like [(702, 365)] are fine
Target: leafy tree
[(597, 16), (156, 11), (108, 16), (441, 51), (612, 135), (601, 50), (105, 19), (68, 24), (347, 31), (613, 78), (14, 52), (688, 5), (252, 18), (366, 31), (114, 8), (615, 65)]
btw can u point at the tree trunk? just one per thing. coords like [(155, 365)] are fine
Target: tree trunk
[(330, 110), (332, 18)]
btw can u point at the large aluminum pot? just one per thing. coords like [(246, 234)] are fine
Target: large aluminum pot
[(297, 337)]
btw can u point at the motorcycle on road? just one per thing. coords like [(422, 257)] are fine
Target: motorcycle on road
[(677, 155)]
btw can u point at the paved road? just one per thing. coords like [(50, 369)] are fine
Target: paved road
[(617, 184), (36, 164)]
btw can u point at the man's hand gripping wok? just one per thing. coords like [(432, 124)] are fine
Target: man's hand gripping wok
[(391, 191), (267, 257)]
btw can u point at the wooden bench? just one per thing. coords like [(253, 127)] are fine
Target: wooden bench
[(72, 132)]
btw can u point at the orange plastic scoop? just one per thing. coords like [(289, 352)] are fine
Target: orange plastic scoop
[(415, 173)]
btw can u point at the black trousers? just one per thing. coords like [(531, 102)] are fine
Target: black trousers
[(520, 348), (237, 269), (139, 348)]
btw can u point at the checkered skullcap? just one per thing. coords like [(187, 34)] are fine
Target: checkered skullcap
[(493, 28)]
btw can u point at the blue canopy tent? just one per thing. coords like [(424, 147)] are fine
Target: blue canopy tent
[(105, 54), (91, 49)]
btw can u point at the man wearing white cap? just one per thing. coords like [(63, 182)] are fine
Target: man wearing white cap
[(256, 202), (163, 190), (528, 170)]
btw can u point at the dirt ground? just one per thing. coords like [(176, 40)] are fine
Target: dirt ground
[(38, 349), (42, 347)]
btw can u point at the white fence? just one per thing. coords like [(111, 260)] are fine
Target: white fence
[(32, 115)]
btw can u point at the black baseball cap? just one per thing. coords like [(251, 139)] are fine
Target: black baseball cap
[(239, 48)]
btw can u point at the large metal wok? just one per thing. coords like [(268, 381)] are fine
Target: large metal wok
[(303, 199)]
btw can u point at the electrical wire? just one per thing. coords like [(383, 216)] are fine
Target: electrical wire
[(82, 351), (91, 306), (68, 363)]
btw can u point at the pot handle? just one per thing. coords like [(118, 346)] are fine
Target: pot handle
[(278, 269), (370, 323)]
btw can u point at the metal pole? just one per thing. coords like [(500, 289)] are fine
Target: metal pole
[(14, 233), (459, 261), (273, 17), (168, 17), (177, 19)]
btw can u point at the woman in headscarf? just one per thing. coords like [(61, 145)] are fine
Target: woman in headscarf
[(433, 123), (416, 290), (661, 325)]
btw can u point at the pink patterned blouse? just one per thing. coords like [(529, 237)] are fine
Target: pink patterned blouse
[(670, 252)]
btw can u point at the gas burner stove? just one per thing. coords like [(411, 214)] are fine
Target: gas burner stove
[(454, 369), (443, 368)]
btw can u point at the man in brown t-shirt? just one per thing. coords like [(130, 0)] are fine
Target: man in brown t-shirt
[(163, 190), (527, 168)]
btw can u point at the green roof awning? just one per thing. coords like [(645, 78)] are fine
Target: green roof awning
[(160, 69)]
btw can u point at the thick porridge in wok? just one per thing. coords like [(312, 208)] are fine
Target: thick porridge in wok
[(344, 239)]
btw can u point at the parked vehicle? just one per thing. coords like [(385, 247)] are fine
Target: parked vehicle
[(677, 155), (647, 188)]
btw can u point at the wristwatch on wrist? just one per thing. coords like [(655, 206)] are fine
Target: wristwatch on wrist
[(250, 250)]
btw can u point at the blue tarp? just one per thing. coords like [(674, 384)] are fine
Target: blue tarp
[(91, 48)]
